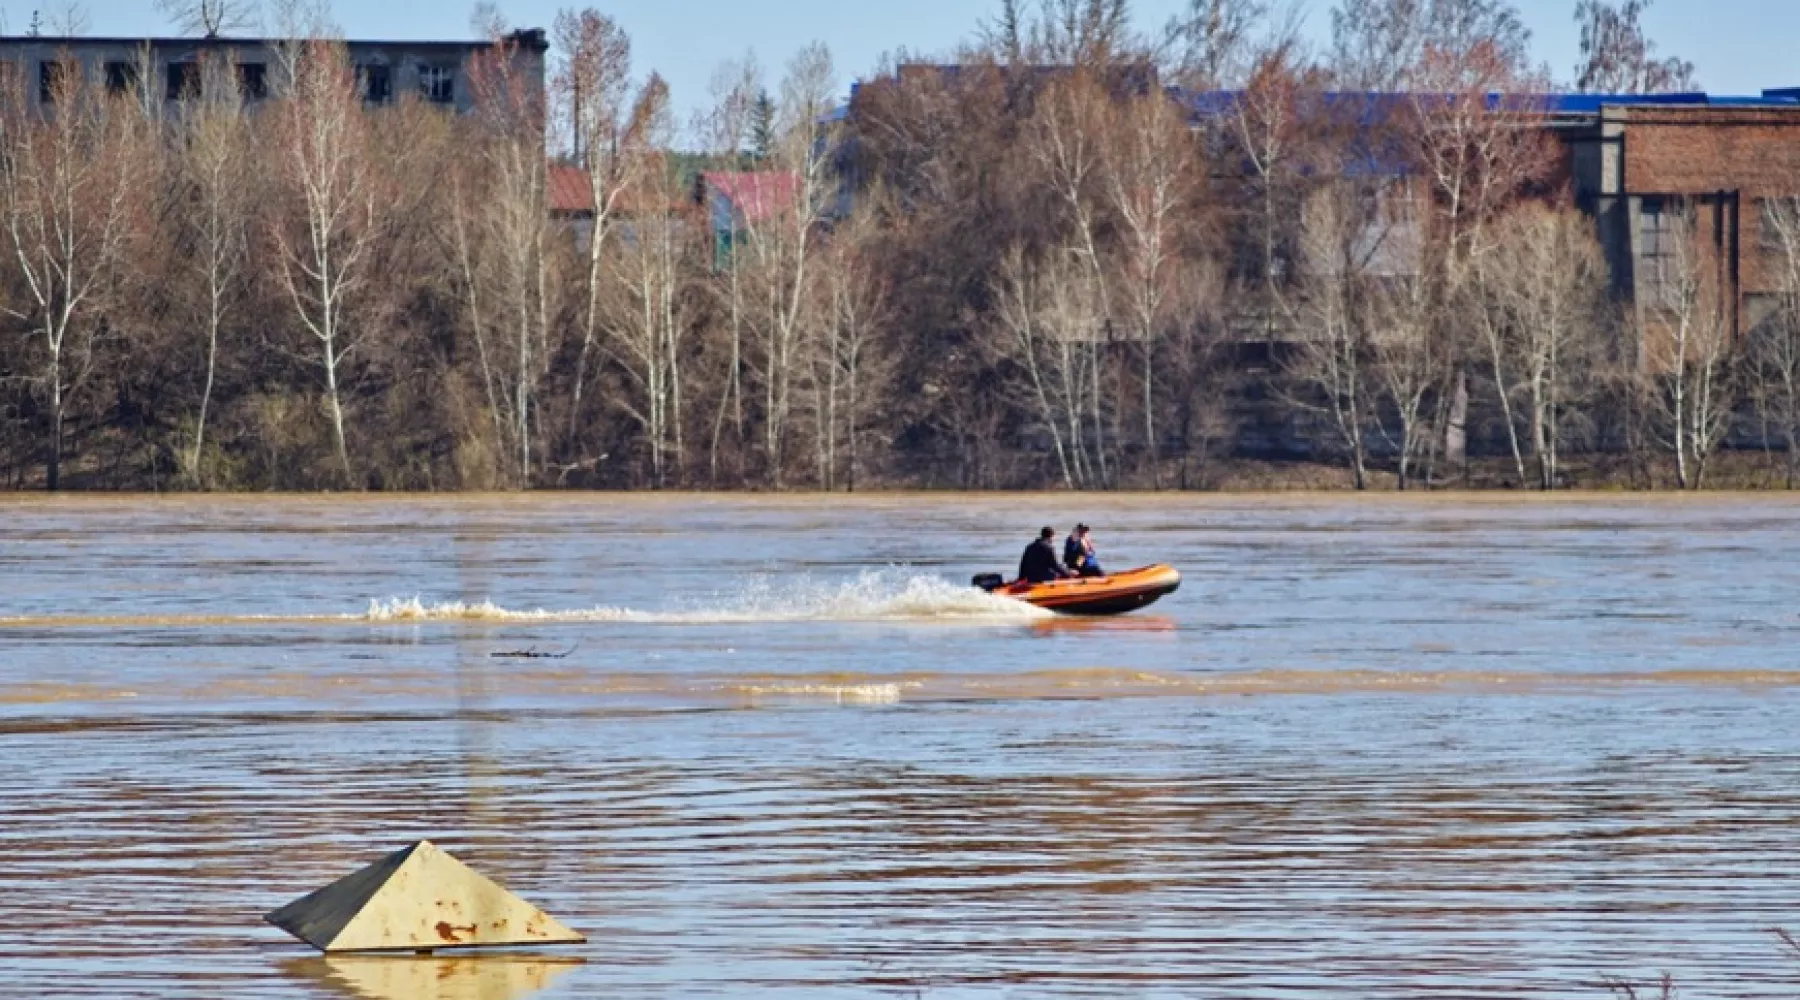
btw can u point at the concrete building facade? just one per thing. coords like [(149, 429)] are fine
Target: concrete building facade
[(172, 70)]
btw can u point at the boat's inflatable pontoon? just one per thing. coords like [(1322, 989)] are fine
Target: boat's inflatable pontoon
[(1113, 594)]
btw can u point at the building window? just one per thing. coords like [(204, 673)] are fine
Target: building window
[(53, 78), (1768, 317), (121, 77), (1778, 227), (253, 81), (437, 84), (184, 80), (1658, 263), (374, 84)]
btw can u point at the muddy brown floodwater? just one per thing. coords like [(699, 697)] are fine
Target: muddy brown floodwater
[(1374, 747)]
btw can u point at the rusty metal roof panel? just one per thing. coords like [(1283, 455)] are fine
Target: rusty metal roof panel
[(417, 899)]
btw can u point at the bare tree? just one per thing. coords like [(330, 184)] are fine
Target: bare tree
[(327, 236), (210, 18), (301, 19), (68, 18), (1049, 318), (848, 365), (1406, 357), (1540, 312), (724, 130), (66, 194), (1069, 135), (1378, 44), (469, 249), (1471, 135), (1005, 37), (1467, 133), (779, 211), (1062, 32), (1330, 363), (1196, 381), (592, 87), (1209, 42), (487, 20), (1687, 350), (1149, 174), (215, 183), (1275, 125), (648, 332), (1774, 348), (507, 267), (1616, 56)]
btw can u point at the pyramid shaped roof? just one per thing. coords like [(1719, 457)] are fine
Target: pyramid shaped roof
[(417, 899)]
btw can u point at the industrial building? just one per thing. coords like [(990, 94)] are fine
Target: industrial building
[(170, 70)]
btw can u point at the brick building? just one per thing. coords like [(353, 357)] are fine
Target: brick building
[(1715, 169), (1720, 173)]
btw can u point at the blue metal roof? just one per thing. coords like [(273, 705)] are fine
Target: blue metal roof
[(1592, 103), (1370, 105)]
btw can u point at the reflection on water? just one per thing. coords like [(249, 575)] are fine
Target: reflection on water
[(573, 689), (1401, 749), (486, 977)]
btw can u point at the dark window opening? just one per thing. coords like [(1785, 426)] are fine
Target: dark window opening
[(121, 77), (253, 81), (437, 84), (374, 83), (53, 78), (1778, 228), (1658, 265), (1769, 320), (184, 80)]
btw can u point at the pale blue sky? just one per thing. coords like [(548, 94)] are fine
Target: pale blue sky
[(1738, 46)]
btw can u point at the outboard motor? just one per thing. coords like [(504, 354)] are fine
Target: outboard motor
[(989, 582)]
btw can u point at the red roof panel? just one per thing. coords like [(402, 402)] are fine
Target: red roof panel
[(757, 195), (568, 191)]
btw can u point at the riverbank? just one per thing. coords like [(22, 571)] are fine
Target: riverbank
[(1731, 471)]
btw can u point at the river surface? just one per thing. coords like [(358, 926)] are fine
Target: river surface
[(1374, 747)]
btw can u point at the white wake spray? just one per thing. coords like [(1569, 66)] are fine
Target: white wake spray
[(877, 596)]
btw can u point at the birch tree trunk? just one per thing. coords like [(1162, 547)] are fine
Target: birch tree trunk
[(214, 168), (779, 211), (1331, 362), (327, 239), (592, 85)]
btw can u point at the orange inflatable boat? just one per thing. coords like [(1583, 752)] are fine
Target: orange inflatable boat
[(1113, 594)]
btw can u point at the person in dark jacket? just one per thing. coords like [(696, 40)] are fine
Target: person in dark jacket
[(1039, 564), (1078, 553)]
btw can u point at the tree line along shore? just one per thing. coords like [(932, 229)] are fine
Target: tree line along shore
[(1072, 254)]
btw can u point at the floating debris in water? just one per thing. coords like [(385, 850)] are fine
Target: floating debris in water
[(532, 654)]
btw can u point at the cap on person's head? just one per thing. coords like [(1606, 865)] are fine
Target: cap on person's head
[(1047, 533), (1081, 527)]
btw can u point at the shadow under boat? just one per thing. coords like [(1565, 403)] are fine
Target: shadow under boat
[(1069, 623)]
